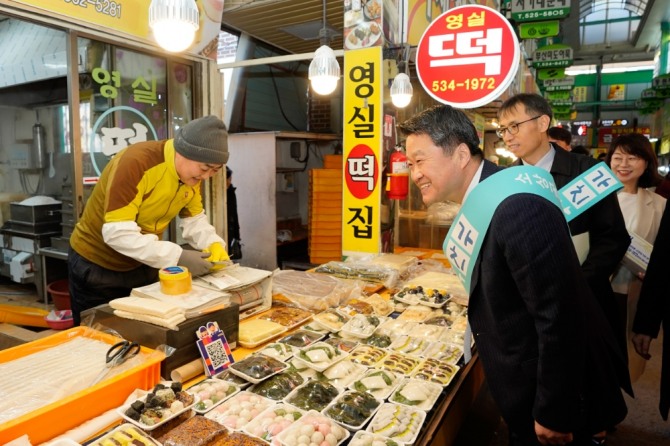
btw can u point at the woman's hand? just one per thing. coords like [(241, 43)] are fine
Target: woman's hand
[(547, 436), (641, 343)]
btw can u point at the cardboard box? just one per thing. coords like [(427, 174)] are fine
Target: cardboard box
[(183, 340)]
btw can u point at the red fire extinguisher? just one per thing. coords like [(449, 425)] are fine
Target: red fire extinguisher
[(397, 185)]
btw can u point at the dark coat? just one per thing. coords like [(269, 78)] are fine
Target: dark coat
[(541, 336), (653, 308), (608, 239)]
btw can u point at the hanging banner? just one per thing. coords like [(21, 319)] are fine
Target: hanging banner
[(467, 56), (534, 10), (362, 150)]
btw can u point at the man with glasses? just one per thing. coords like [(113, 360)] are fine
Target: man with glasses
[(524, 120), (540, 335), (117, 243)]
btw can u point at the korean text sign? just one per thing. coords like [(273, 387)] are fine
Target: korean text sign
[(467, 56), (363, 124)]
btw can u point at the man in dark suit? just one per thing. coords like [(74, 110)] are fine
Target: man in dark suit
[(537, 328), (653, 309), (524, 121)]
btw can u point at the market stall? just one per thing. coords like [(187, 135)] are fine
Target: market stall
[(356, 358)]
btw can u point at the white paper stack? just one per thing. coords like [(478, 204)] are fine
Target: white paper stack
[(196, 302), (149, 310)]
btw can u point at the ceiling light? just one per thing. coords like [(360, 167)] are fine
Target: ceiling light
[(174, 23), (401, 90), (324, 71)]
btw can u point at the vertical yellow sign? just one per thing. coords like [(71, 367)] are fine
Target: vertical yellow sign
[(362, 141)]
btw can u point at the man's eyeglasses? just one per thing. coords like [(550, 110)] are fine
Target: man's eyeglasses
[(513, 129)]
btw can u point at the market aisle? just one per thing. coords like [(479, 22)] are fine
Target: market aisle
[(642, 427)]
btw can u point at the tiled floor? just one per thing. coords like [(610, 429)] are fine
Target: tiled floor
[(642, 427)]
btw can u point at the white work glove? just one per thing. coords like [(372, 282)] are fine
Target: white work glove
[(195, 262)]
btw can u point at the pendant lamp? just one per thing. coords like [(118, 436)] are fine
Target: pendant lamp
[(174, 23)]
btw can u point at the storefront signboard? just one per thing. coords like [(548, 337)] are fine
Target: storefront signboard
[(362, 150), (557, 55), (467, 56), (539, 30), (564, 84), (130, 17), (535, 10)]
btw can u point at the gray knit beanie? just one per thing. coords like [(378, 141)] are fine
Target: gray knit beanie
[(204, 140)]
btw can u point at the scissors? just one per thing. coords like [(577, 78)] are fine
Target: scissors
[(117, 355)]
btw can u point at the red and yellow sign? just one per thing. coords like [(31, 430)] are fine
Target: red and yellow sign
[(362, 149), (468, 56)]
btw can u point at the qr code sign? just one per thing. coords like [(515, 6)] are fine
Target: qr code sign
[(217, 353)]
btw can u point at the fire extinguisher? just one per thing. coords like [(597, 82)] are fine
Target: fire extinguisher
[(397, 185)]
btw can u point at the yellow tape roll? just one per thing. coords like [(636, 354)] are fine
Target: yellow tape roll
[(175, 280)]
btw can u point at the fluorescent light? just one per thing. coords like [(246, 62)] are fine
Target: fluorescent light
[(620, 67)]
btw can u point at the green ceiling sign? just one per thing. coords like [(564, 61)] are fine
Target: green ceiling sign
[(536, 10), (556, 55), (538, 30), (564, 84), (550, 73)]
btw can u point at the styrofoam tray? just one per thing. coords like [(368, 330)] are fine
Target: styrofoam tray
[(329, 410), (322, 365), (390, 418), (122, 412), (261, 426), (106, 438), (432, 390), (363, 438), (291, 436), (343, 381), (211, 392), (237, 411), (291, 397), (436, 371), (278, 350), (281, 366), (380, 392)]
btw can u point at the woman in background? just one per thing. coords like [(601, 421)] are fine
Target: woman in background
[(633, 161), (234, 243)]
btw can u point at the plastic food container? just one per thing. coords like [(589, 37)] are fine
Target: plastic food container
[(353, 409), (378, 383), (167, 414), (397, 422), (175, 280), (362, 326), (278, 351), (313, 395), (362, 438), (416, 393), (211, 393), (273, 421), (237, 411), (436, 371), (311, 428), (123, 434), (255, 332), (256, 368), (344, 373), (367, 355), (320, 356)]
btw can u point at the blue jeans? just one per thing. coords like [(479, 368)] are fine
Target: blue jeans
[(92, 285)]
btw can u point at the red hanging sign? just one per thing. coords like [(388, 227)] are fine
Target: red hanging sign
[(467, 56)]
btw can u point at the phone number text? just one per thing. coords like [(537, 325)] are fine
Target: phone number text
[(107, 7), (476, 83)]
